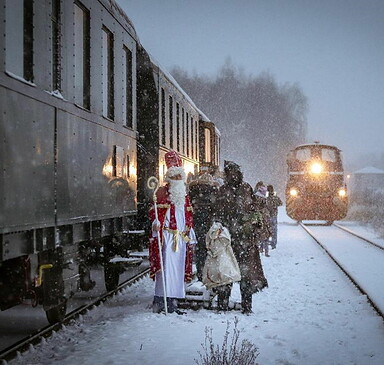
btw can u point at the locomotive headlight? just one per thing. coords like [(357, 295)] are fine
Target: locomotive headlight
[(316, 168), (342, 193), (293, 192)]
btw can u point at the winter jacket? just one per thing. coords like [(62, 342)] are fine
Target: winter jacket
[(273, 202), (235, 206), (264, 231), (220, 265)]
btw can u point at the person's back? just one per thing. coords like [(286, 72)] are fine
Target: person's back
[(202, 193), (235, 208), (273, 203)]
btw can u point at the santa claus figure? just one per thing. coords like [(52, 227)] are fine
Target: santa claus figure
[(175, 229)]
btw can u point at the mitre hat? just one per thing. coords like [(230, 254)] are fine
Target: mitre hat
[(174, 164)]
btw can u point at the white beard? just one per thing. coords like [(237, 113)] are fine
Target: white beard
[(177, 192)]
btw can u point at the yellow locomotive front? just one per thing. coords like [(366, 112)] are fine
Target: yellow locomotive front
[(316, 189)]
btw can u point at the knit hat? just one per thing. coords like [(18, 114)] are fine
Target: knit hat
[(262, 189)]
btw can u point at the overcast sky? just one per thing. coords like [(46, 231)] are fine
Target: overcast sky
[(334, 49)]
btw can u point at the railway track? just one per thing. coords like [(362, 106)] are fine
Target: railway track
[(337, 253), (12, 351), (358, 236)]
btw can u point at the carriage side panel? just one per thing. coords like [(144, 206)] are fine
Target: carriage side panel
[(27, 163)]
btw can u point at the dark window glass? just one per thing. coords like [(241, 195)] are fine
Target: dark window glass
[(114, 161), (82, 56), (162, 117), (108, 74), (28, 40), (127, 167), (128, 88), (183, 130), (187, 121), (178, 126), (56, 45), (170, 122)]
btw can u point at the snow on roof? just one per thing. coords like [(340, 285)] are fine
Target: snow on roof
[(316, 144), (369, 170), (121, 16)]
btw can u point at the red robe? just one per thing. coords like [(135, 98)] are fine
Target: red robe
[(163, 204)]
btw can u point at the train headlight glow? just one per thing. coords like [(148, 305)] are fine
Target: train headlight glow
[(293, 192), (342, 193), (316, 168)]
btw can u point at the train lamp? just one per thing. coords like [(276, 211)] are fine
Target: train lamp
[(153, 184), (316, 168)]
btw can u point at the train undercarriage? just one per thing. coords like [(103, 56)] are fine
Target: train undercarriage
[(56, 262)]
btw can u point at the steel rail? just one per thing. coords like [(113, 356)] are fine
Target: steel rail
[(358, 236), (350, 277), (33, 339)]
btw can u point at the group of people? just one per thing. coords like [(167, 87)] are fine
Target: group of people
[(222, 228)]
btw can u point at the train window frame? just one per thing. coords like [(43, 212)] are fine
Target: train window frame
[(303, 154), (162, 96), (183, 130), (127, 168), (207, 145), (82, 54), (128, 82), (107, 73), (56, 47), (196, 139), (19, 40), (187, 133), (217, 149), (326, 154), (178, 126), (117, 161), (170, 115), (192, 137)]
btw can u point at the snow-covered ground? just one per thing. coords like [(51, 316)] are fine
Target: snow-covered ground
[(309, 314)]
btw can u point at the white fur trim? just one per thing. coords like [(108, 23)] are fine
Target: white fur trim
[(172, 171)]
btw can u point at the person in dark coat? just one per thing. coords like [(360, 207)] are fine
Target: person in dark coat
[(264, 232), (273, 202), (202, 193), (235, 209)]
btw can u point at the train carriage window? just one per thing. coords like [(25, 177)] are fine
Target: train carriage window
[(303, 154), (128, 172), (117, 161), (82, 56), (56, 45), (127, 90), (19, 38), (178, 126), (183, 133), (107, 73), (170, 122), (217, 150), (328, 154), (162, 117), (196, 140), (207, 149), (187, 133), (192, 138)]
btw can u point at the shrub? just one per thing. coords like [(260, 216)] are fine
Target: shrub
[(229, 353), (369, 208)]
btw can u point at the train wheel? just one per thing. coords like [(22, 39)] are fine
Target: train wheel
[(111, 276), (56, 314)]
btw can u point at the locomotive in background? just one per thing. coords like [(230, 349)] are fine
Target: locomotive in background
[(316, 188), (85, 118)]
